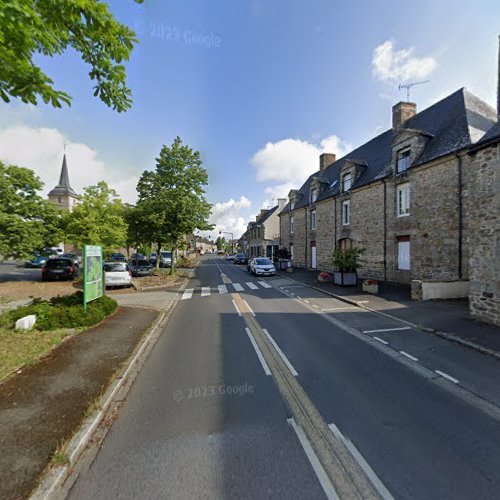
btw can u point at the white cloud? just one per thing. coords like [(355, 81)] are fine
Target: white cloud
[(393, 65), (41, 150), (230, 216), (292, 161)]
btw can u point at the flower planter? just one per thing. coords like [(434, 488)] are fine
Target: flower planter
[(325, 277), (345, 279), (370, 286)]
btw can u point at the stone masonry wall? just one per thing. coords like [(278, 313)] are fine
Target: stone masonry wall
[(483, 206)]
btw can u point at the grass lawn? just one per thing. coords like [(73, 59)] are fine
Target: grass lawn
[(20, 348)]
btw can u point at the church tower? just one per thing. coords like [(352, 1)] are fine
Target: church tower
[(63, 194)]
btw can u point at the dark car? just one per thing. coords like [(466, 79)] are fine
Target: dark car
[(37, 261), (143, 267), (73, 257), (58, 268), (118, 257), (138, 256), (240, 258)]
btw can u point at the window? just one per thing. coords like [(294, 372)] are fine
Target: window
[(403, 201), (291, 251), (292, 204), (314, 195), (403, 160), (313, 220), (346, 212), (404, 253), (345, 243), (346, 182), (292, 224)]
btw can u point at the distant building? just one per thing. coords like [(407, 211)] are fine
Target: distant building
[(63, 195)]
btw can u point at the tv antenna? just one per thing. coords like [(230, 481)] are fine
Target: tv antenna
[(408, 86)]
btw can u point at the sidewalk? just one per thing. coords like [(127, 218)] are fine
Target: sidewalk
[(447, 318), (43, 405)]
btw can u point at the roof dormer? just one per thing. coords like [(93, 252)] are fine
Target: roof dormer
[(407, 145), (351, 171)]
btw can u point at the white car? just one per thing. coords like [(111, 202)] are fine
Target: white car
[(229, 256), (262, 266), (117, 274)]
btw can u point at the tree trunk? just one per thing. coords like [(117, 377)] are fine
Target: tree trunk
[(174, 258), (158, 255)]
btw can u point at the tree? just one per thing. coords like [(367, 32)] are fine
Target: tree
[(172, 200), (98, 220), (49, 28), (221, 243), (27, 221)]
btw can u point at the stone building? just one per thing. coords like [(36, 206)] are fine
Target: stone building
[(402, 196), (63, 194), (484, 233), (262, 236)]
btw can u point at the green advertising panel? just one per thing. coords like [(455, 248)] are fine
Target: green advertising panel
[(93, 285)]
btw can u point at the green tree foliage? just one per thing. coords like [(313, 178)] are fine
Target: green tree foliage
[(221, 243), (172, 200), (98, 220), (27, 221), (50, 27)]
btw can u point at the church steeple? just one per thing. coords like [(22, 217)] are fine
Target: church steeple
[(63, 194)]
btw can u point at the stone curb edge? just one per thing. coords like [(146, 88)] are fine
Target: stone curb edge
[(447, 336), (54, 478)]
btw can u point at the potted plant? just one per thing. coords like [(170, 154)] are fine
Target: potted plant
[(283, 256), (346, 262)]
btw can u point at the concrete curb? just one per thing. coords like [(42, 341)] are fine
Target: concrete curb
[(54, 478), (444, 335)]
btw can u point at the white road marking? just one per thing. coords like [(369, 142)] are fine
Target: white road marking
[(372, 476), (237, 308), (205, 291), (314, 305), (409, 356), (306, 301), (388, 330), (249, 308), (238, 287), (188, 293), (251, 285), (300, 298), (446, 376), (381, 340), (332, 309), (323, 478), (267, 371), (264, 284), (280, 352), (222, 289)]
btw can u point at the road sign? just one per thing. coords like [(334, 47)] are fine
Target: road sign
[(93, 283)]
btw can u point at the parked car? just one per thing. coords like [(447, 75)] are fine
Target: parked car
[(117, 257), (57, 268), (230, 256), (138, 256), (117, 274), (73, 257), (262, 266), (37, 261), (240, 258), (143, 267), (165, 259), (152, 258)]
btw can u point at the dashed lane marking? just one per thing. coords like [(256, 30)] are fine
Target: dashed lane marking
[(188, 293)]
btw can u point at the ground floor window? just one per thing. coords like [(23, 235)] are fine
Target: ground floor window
[(404, 253), (345, 243), (291, 251)]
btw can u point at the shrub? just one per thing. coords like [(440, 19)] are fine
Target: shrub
[(62, 312), (347, 261)]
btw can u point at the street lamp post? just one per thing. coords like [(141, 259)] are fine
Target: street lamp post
[(232, 239)]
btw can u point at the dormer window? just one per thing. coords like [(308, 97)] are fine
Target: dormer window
[(403, 160), (314, 195), (292, 204), (346, 182)]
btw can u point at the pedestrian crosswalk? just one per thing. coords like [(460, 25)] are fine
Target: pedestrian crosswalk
[(206, 291)]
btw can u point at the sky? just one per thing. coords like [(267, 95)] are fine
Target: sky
[(260, 87)]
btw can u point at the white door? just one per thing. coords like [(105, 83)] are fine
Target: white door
[(313, 257), (404, 255)]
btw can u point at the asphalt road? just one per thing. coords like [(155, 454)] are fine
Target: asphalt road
[(11, 272), (233, 406)]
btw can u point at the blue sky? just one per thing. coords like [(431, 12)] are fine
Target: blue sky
[(259, 87)]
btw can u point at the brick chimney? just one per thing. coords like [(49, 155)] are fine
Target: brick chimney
[(401, 113), (281, 203), (325, 160)]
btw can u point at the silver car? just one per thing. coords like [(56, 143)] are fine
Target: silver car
[(117, 274), (261, 266)]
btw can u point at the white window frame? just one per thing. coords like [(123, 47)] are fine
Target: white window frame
[(346, 179), (404, 255), (292, 224), (313, 220), (292, 204), (403, 200), (314, 195), (346, 212), (291, 251), (403, 163)]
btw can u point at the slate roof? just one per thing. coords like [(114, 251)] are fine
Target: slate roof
[(63, 187), (492, 136), (267, 215), (451, 124)]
